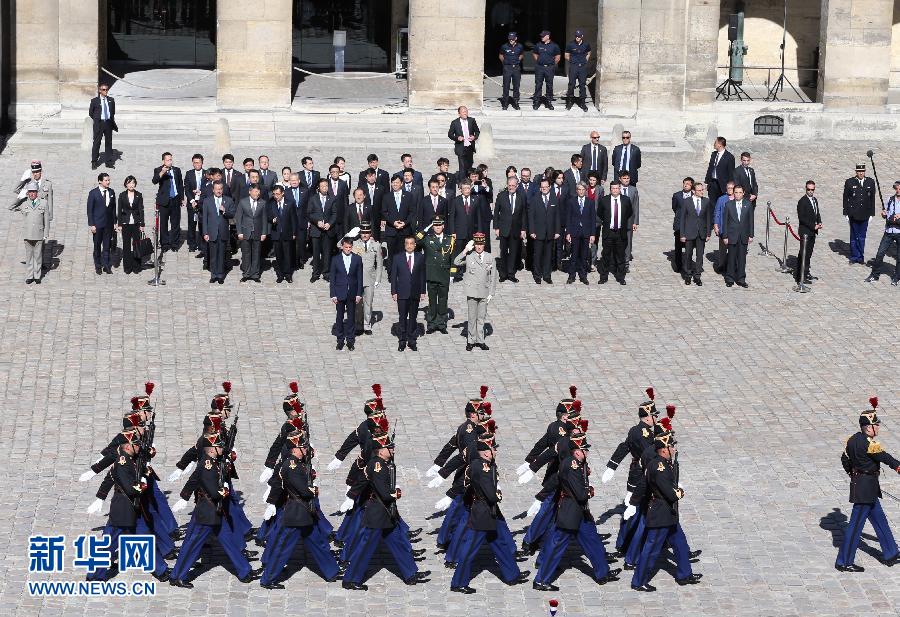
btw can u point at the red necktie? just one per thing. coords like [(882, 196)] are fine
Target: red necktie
[(466, 199), (615, 213), (409, 263)]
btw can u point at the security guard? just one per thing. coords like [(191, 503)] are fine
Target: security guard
[(862, 459), (438, 248), (859, 207), (546, 57), (511, 54), (578, 52)]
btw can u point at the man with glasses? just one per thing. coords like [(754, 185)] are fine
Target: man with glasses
[(103, 112), (809, 223), (626, 156), (594, 157)]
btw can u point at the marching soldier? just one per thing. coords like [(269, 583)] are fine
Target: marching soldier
[(511, 54), (481, 281), (862, 459), (373, 271), (578, 52), (37, 214), (859, 208), (438, 249)]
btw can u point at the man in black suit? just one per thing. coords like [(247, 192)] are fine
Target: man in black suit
[(595, 158), (252, 225), (408, 290), (194, 181), (678, 197), (574, 174), (101, 215), (374, 196), (169, 197), (340, 192), (398, 214), (406, 160), (695, 225), (627, 156), (102, 111), (509, 228), (809, 222), (463, 133), (443, 167), (346, 290), (581, 221), (296, 196), (283, 223), (615, 210), (543, 229), (322, 217), (216, 210), (267, 177), (465, 215), (358, 211), (737, 234), (231, 177), (382, 177), (431, 206), (720, 170), (309, 177), (746, 177)]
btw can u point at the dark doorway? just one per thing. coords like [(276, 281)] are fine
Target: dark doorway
[(526, 18), (161, 33), (6, 83), (367, 24)]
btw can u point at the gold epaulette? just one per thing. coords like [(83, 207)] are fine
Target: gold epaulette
[(874, 447)]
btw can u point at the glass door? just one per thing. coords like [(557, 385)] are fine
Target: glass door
[(367, 24)]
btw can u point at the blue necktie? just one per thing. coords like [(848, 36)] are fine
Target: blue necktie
[(172, 191)]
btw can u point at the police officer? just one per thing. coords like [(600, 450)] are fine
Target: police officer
[(862, 459), (438, 248), (511, 54), (578, 52), (859, 208), (546, 57)]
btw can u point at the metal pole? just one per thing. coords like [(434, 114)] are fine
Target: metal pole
[(800, 286), (157, 254), (765, 247), (784, 267)]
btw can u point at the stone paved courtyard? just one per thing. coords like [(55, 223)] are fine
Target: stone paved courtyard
[(768, 384)]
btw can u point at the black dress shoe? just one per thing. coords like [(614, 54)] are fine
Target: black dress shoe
[(183, 584), (613, 575), (412, 533), (98, 270), (354, 586), (483, 347), (412, 346), (166, 575), (272, 586), (350, 346), (621, 281), (367, 332), (512, 279), (534, 106), (249, 554), (212, 279), (522, 578), (418, 577), (96, 164), (401, 346), (312, 279), (442, 330), (628, 566), (585, 281), (252, 576), (173, 554), (544, 587), (548, 280), (418, 552), (221, 281), (536, 280), (289, 279), (450, 565), (465, 590), (469, 347), (244, 279), (698, 282), (851, 568), (570, 280), (648, 588), (429, 331), (339, 346), (729, 284), (549, 105), (695, 554), (687, 281), (515, 104), (29, 281), (279, 279), (891, 562), (693, 579), (743, 284)]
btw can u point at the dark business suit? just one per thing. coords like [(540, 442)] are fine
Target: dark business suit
[(169, 196), (352, 215), (374, 197), (216, 226), (283, 223), (391, 214), (595, 161), (130, 217), (695, 229), (465, 155), (717, 176), (318, 211), (267, 180), (572, 182), (346, 286), (297, 197), (747, 179), (409, 287), (382, 179), (612, 257), (463, 223), (581, 220), (738, 233), (543, 225), (234, 185), (102, 216), (808, 216), (561, 192), (194, 216), (633, 163), (253, 226), (340, 195), (428, 210), (309, 179), (103, 128), (678, 253), (510, 222)]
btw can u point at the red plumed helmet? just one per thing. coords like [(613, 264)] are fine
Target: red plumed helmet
[(294, 387), (379, 402), (577, 405), (670, 410), (666, 424), (651, 394), (573, 390), (216, 422), (383, 423), (226, 385), (297, 423), (220, 404), (583, 423), (376, 388), (491, 426), (873, 401), (484, 391), (148, 387), (134, 402), (296, 405), (488, 409)]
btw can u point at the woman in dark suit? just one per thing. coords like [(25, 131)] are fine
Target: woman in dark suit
[(131, 223)]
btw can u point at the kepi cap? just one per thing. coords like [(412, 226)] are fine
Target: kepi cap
[(544, 33), (512, 36), (861, 167), (579, 34)]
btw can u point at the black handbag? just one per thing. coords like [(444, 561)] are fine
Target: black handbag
[(145, 247)]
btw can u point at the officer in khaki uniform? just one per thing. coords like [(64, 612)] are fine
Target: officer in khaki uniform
[(37, 230), (45, 188), (438, 248), (373, 269), (481, 281)]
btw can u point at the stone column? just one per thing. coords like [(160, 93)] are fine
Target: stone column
[(662, 68), (445, 33), (618, 55), (253, 54), (855, 57), (702, 52), (36, 68), (79, 42)]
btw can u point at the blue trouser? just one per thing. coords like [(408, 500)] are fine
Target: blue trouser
[(626, 530), (193, 544), (240, 524), (858, 239), (543, 77), (272, 532), (455, 550), (653, 545), (637, 540), (577, 74), (347, 521), (114, 533), (262, 532), (285, 543), (472, 542), (322, 523), (558, 541), (163, 518), (451, 520), (351, 533), (541, 523), (873, 513), (369, 539), (886, 241)]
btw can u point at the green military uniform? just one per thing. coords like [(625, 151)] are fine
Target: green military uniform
[(438, 261)]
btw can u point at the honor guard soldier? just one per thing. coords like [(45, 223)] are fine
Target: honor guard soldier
[(862, 459), (578, 52), (546, 57), (373, 271), (859, 208), (480, 280), (511, 54), (485, 522), (438, 248), (574, 519)]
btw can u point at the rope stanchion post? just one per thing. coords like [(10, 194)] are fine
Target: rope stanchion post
[(801, 287), (784, 267), (764, 247), (156, 281)]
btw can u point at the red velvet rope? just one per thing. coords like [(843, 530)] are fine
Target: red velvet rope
[(775, 218), (791, 229)]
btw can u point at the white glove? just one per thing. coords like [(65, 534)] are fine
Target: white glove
[(526, 477), (443, 504), (270, 512), (266, 494), (608, 474), (175, 475), (334, 464), (533, 508), (95, 506), (265, 475), (87, 475), (376, 283), (189, 468), (470, 245), (180, 505), (436, 482), (353, 233), (627, 497), (432, 471), (521, 469), (346, 505), (847, 218), (680, 486), (629, 512), (489, 298)]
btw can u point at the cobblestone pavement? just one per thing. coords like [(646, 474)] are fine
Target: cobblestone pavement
[(768, 384)]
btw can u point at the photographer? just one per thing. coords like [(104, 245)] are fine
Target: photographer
[(891, 215)]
